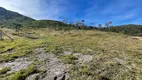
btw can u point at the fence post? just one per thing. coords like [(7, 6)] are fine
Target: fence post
[(0, 35)]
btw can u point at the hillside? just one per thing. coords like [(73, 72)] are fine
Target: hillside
[(9, 18), (49, 24), (71, 55)]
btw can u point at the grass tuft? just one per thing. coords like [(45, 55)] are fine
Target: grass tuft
[(69, 59), (22, 74), (4, 70)]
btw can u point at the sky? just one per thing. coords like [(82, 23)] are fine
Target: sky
[(92, 11)]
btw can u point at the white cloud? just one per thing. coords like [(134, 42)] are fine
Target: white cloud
[(37, 9)]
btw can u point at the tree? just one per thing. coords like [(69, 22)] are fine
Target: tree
[(108, 24), (17, 27), (99, 26), (92, 24), (83, 22), (71, 23), (65, 20), (80, 24)]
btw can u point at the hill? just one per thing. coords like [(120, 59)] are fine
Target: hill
[(9, 18), (48, 24)]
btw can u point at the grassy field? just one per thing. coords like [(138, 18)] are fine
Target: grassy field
[(115, 56)]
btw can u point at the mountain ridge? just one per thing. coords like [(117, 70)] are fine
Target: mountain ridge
[(10, 19)]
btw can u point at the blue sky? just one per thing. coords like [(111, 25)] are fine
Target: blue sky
[(97, 11)]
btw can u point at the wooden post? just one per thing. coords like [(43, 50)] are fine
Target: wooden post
[(8, 37), (0, 35)]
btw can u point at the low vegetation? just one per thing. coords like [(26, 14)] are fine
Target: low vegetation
[(4, 70), (22, 74), (18, 48), (115, 56), (69, 59), (133, 30)]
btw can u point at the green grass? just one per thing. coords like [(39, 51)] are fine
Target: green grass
[(69, 59), (22, 74), (116, 56), (21, 47), (4, 70)]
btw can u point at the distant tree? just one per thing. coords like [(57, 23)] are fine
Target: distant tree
[(108, 24), (71, 23), (80, 24), (17, 27), (83, 22), (77, 24), (65, 20), (99, 26), (92, 23)]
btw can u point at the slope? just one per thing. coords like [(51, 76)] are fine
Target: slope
[(9, 18)]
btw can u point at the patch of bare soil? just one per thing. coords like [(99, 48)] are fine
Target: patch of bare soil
[(81, 57), (52, 68), (51, 65), (24, 62), (16, 65), (137, 38)]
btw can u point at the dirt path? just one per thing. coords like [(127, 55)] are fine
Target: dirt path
[(52, 67), (49, 63)]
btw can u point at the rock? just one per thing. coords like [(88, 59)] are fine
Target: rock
[(55, 70), (67, 52), (85, 58), (60, 76), (81, 57), (32, 77), (16, 65)]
